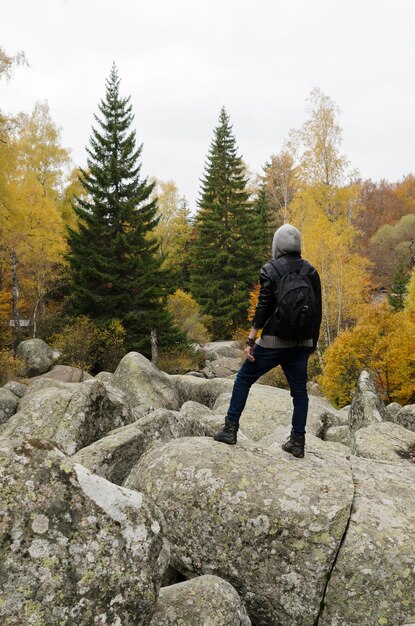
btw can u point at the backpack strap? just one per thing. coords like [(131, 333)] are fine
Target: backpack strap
[(279, 267), (305, 268), (282, 269)]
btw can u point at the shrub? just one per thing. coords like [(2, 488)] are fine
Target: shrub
[(11, 367), (180, 361), (89, 346), (187, 315)]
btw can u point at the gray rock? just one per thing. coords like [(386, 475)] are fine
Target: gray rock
[(406, 417), (231, 352), (392, 408), (374, 576), (339, 434), (143, 383), (211, 355), (313, 388), (314, 445), (19, 389), (65, 374), (265, 522), (202, 601), (384, 442), (197, 374), (268, 407), (115, 455), (222, 367), (194, 409), (8, 404), (75, 548), (366, 406), (73, 414), (105, 377), (200, 389), (36, 354)]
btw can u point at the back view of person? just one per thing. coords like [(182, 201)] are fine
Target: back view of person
[(285, 281)]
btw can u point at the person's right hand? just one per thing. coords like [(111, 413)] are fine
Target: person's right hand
[(249, 353)]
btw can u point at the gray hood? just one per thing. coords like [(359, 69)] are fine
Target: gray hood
[(287, 239)]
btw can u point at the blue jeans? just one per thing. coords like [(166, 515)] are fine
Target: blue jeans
[(294, 364)]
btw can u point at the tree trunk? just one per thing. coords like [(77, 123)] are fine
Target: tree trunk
[(154, 348), (15, 298)]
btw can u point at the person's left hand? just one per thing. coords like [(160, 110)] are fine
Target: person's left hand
[(249, 353)]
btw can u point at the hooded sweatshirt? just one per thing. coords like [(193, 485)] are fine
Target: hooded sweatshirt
[(286, 240)]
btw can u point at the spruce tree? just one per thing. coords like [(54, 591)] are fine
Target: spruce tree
[(113, 262), (399, 286), (227, 251)]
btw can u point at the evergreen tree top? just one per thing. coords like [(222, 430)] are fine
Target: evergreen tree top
[(224, 168)]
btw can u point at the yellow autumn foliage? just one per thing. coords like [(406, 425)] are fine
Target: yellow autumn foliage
[(383, 343), (323, 215)]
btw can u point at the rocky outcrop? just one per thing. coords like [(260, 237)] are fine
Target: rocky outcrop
[(200, 390), (202, 601), (314, 445), (8, 404), (339, 434), (73, 415), (374, 576), (116, 454), (384, 442), (37, 356), (143, 383), (19, 389), (75, 549), (264, 522), (65, 374), (224, 367), (366, 406), (269, 407), (405, 417), (393, 408)]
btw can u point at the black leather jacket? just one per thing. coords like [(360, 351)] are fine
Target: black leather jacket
[(267, 301)]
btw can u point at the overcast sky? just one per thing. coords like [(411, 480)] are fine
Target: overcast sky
[(181, 60)]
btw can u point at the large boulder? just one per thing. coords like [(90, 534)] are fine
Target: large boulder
[(65, 374), (268, 407), (366, 405), (202, 601), (393, 408), (339, 434), (405, 417), (384, 442), (8, 404), (313, 445), (37, 356), (221, 367), (232, 352), (75, 549), (116, 454), (265, 522), (143, 383), (200, 390), (373, 580), (19, 389), (73, 415)]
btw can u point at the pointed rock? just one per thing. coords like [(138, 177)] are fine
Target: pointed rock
[(367, 407)]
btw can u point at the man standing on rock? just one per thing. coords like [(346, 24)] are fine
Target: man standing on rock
[(289, 313)]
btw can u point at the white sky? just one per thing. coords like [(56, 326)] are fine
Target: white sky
[(181, 60)]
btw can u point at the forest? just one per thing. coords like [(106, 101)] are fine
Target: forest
[(104, 258)]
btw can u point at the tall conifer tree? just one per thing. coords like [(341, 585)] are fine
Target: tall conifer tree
[(115, 269), (227, 251)]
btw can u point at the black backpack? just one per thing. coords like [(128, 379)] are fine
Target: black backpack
[(296, 311)]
